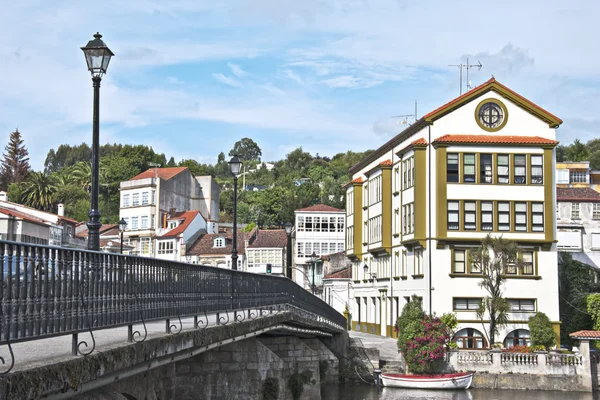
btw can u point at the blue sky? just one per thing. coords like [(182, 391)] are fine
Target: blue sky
[(190, 78)]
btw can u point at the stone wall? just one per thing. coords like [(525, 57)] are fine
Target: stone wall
[(329, 365)]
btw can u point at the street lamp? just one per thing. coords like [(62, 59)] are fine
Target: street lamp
[(288, 230), (97, 57), (313, 260), (122, 227), (366, 268), (236, 164)]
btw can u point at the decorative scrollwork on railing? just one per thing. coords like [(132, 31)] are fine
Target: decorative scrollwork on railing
[(222, 320), (172, 327), (12, 355), (240, 317), (252, 314), (264, 312), (84, 287), (200, 323), (137, 333)]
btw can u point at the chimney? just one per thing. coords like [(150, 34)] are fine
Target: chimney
[(172, 212), (61, 210), (3, 196)]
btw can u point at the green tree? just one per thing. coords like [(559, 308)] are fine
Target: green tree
[(593, 308), (15, 164), (171, 162), (246, 149), (15, 193), (577, 151), (541, 332), (82, 175), (492, 258), (409, 325), (39, 190), (560, 153), (595, 160)]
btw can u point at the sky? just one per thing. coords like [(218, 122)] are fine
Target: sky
[(190, 78)]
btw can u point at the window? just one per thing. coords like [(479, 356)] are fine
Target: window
[(134, 223), (145, 245), (452, 167), (469, 168), (136, 199), (575, 211), (537, 170), (527, 262), (595, 240), (522, 304), (396, 221), (518, 337), (154, 197), (350, 202), (537, 217), (521, 217), (308, 226), (469, 338), (366, 196), (127, 223), (397, 179), (596, 211), (404, 262), (300, 224), (520, 172), (144, 198), (502, 165), (375, 190), (408, 213), (300, 252), (453, 215), (220, 242), (470, 215), (418, 262), (144, 222), (503, 216), (578, 177), (409, 172), (125, 200), (485, 161), (465, 304), (459, 264), (340, 223), (152, 222), (487, 216), (166, 247), (340, 247)]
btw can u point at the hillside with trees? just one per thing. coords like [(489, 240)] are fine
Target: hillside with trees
[(298, 180)]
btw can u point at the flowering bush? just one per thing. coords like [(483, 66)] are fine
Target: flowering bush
[(425, 351), (518, 349)]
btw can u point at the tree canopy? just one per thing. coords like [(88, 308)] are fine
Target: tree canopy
[(15, 164), (246, 149)]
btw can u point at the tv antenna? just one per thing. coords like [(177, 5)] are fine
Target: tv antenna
[(406, 119), (466, 66)]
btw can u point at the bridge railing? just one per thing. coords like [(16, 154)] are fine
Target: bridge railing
[(47, 291)]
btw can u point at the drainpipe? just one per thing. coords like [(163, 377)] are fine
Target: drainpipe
[(429, 217)]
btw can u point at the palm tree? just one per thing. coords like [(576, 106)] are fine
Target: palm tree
[(82, 174), (39, 190)]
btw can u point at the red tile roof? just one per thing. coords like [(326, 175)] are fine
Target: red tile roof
[(585, 335), (577, 194), (269, 238), (204, 246), (343, 274), (356, 180), (458, 99), (320, 208), (186, 216), (495, 139), (386, 162), (163, 173), (419, 141), (24, 217), (105, 229)]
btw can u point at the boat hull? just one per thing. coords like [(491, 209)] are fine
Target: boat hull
[(441, 382)]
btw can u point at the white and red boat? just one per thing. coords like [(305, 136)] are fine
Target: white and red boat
[(460, 380)]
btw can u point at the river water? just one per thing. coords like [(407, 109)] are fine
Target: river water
[(358, 392)]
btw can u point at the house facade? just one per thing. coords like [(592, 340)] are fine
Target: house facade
[(267, 247), (319, 229), (484, 163), (150, 201)]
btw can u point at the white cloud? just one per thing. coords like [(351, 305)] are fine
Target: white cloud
[(237, 70), (293, 76), (350, 82), (173, 80), (226, 80)]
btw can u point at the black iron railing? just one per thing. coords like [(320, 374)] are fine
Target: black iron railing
[(48, 291)]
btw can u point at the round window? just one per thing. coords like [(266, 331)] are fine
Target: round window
[(491, 115)]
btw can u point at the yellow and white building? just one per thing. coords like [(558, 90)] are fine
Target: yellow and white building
[(482, 163)]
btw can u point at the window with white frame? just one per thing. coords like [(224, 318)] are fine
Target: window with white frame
[(126, 200), (127, 226), (341, 222), (145, 245), (350, 237), (375, 230), (396, 221), (469, 168), (520, 216), (350, 202), (537, 169), (366, 195), (453, 215), (452, 173), (145, 198), (537, 217), (340, 247), (219, 242), (397, 179), (144, 222), (136, 199), (152, 221), (166, 247), (466, 303), (578, 176), (502, 162), (418, 262), (404, 265), (522, 304), (520, 172), (486, 170), (470, 215), (134, 223), (596, 211), (575, 211), (487, 215), (504, 216), (300, 224), (154, 197), (375, 190)]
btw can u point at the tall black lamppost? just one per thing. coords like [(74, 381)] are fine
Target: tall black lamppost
[(313, 260), (236, 164), (288, 230), (97, 57), (122, 227)]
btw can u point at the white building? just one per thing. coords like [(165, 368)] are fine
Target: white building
[(319, 229), (151, 200), (482, 163), (267, 247)]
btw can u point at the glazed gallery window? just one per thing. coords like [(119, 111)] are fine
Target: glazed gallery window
[(520, 172), (145, 198), (520, 217), (537, 169), (578, 177), (575, 211), (487, 215), (596, 211), (537, 217), (469, 168), (166, 247), (452, 167), (470, 215), (486, 172), (503, 168), (136, 199), (125, 200), (503, 216), (453, 216)]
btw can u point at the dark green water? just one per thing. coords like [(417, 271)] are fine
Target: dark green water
[(355, 392)]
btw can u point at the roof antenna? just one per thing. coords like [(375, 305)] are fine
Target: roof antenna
[(466, 66), (408, 119)]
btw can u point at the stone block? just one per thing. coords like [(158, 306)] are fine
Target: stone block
[(232, 366), (251, 366)]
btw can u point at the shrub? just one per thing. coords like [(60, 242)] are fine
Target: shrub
[(409, 323), (425, 352), (518, 349), (541, 332)]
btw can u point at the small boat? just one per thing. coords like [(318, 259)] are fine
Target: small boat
[(460, 380)]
